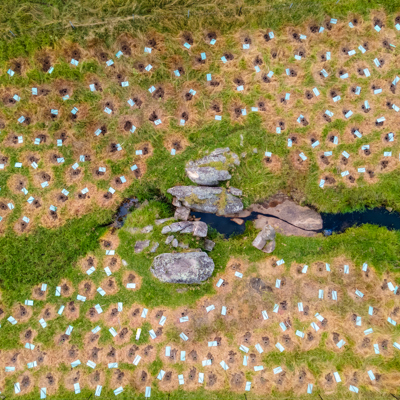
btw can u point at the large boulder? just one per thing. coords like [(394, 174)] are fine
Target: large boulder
[(140, 245), (198, 228), (182, 213), (194, 267), (212, 169), (301, 217), (214, 200), (207, 176), (281, 227), (265, 240)]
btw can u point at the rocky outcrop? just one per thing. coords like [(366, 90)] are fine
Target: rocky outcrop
[(198, 228), (208, 244), (265, 240), (207, 176), (281, 227), (235, 191), (214, 200), (140, 245), (182, 213), (301, 217), (211, 169), (194, 267), (154, 247)]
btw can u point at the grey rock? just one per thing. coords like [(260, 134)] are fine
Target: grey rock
[(188, 228), (161, 221), (235, 191), (154, 247), (269, 247), (176, 202), (183, 245), (124, 262), (166, 229), (175, 243), (255, 151), (208, 244), (182, 213), (132, 230), (282, 227), (221, 155), (200, 229), (207, 199), (288, 211), (202, 173), (264, 238), (175, 227), (140, 245), (243, 155), (169, 239), (147, 229), (207, 176), (187, 268)]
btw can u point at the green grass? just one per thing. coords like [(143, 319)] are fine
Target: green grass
[(47, 255)]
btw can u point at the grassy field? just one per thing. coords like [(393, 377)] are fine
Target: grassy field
[(53, 250)]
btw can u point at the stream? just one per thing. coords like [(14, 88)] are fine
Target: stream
[(332, 223)]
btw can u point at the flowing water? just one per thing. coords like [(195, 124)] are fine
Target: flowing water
[(332, 223)]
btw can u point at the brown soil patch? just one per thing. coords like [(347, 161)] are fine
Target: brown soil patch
[(38, 294), (21, 312), (22, 226), (50, 380), (75, 376), (272, 162), (128, 124), (26, 382), (132, 277), (48, 312), (16, 183), (176, 142), (109, 285), (299, 163), (71, 311), (87, 289), (87, 262), (96, 378)]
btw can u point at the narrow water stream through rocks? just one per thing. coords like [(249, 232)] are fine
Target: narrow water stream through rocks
[(332, 223)]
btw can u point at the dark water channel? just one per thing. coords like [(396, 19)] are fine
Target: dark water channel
[(332, 223)]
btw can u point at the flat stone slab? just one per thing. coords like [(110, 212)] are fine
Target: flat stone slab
[(187, 268), (281, 227), (215, 200), (140, 245), (198, 228), (213, 168), (207, 176), (301, 217)]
